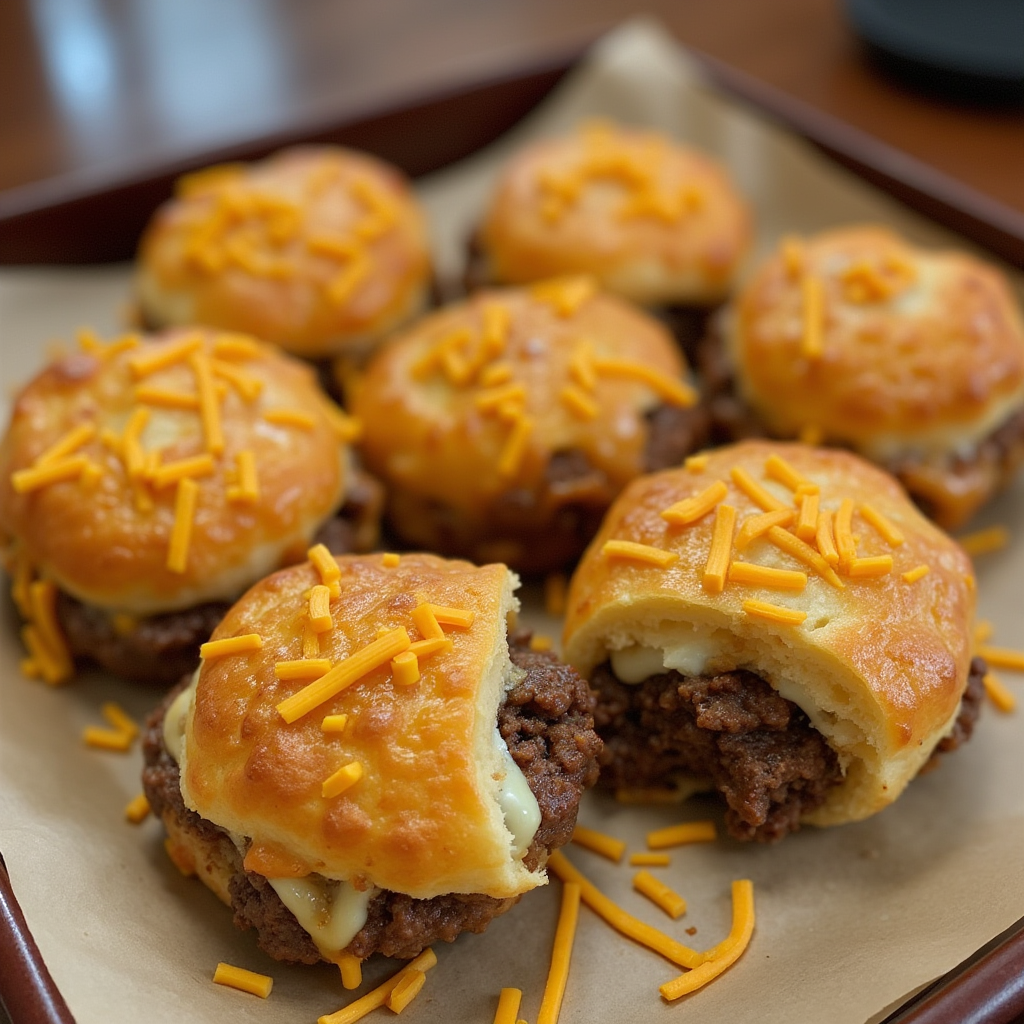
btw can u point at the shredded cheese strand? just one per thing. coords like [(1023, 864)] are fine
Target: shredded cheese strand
[(777, 468), (803, 552), (149, 362), (334, 723), (344, 778), (812, 341), (682, 834), (918, 572), (631, 551), (619, 919), (726, 953), (181, 533), (759, 495), (561, 955), (774, 613), (351, 968), (649, 860), (378, 996), (599, 842), (888, 530), (720, 554), (983, 542), (301, 668), (344, 674), (508, 1006), (244, 644), (998, 694), (843, 529), (405, 991), (758, 524), (31, 479), (245, 981), (690, 510), (1002, 657), (870, 567), (824, 538), (69, 443), (137, 809), (320, 618), (659, 894), (754, 575), (675, 392), (807, 519)]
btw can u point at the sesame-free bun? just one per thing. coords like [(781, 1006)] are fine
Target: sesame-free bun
[(320, 250), (104, 535), (653, 221), (424, 817), (469, 418), (879, 664), (922, 351)]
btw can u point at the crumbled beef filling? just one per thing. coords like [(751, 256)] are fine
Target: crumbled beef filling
[(757, 749), (546, 722)]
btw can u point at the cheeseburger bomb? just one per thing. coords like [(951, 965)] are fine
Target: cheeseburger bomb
[(366, 761), (146, 484), (778, 623)]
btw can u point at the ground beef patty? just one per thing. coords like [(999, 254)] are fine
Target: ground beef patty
[(547, 723), (162, 648), (757, 749)]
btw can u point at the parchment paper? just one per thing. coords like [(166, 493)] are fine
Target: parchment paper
[(850, 920)]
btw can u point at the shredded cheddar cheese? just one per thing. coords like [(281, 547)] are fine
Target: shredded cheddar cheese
[(631, 551), (682, 834), (565, 294), (515, 447), (998, 694), (984, 630), (759, 524), (107, 739), (777, 468), (344, 674), (390, 560), (405, 991), (599, 842), (555, 590), (619, 919), (659, 894), (496, 374), (424, 648), (35, 477), (509, 1001), (248, 489), (181, 533), (690, 510), (334, 723), (245, 384), (697, 463), (301, 668), (727, 952), (870, 567), (759, 495), (888, 530), (1003, 657), (425, 621), (230, 645), (766, 576), (328, 568), (807, 519), (405, 668), (843, 528), (42, 603), (74, 439), (774, 613), (812, 339), (561, 954), (171, 472), (579, 403), (290, 418), (119, 719), (137, 809), (320, 619), (917, 573), (720, 553), (649, 860), (310, 642), (581, 366), (149, 362), (245, 981), (458, 617), (824, 538), (377, 997), (351, 968), (803, 552), (675, 392), (984, 542), (344, 778)]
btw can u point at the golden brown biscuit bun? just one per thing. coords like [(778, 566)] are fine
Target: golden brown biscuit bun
[(104, 534), (424, 817), (653, 221), (878, 664), (317, 249), (469, 474), (922, 352)]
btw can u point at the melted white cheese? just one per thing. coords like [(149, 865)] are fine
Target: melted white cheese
[(176, 717), (637, 663), (332, 912), (518, 804)]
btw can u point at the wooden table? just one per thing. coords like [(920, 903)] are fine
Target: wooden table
[(96, 95)]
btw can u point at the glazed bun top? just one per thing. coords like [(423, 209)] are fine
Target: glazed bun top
[(317, 249), (879, 649), (476, 399), (142, 430), (653, 221), (425, 813), (912, 352)]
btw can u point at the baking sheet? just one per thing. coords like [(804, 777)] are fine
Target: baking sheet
[(850, 920)]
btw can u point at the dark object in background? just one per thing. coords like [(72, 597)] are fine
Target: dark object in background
[(966, 50)]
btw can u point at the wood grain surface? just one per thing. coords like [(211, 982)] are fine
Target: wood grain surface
[(99, 92)]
